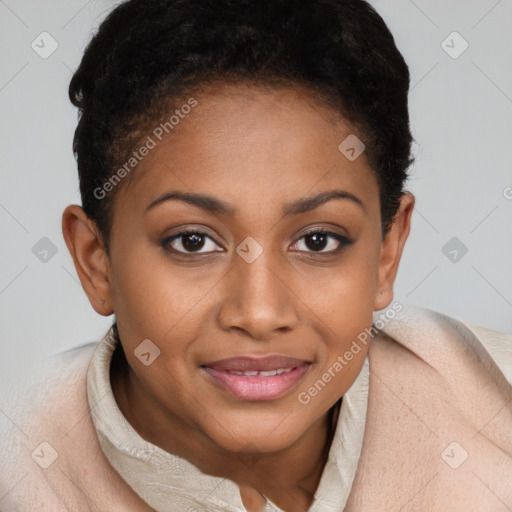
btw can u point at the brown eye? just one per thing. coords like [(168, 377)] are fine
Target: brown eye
[(316, 241), (319, 241), (191, 242)]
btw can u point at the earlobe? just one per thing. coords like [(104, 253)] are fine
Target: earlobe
[(89, 257), (391, 251)]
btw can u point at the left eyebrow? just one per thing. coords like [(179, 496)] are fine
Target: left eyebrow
[(310, 203)]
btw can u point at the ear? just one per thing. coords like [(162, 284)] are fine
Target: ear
[(85, 244), (391, 251)]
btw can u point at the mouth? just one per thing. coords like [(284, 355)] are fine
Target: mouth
[(254, 379)]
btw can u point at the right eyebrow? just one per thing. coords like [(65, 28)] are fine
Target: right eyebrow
[(202, 201)]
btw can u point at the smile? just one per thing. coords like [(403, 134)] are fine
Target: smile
[(257, 379)]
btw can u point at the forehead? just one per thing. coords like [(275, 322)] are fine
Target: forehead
[(251, 145)]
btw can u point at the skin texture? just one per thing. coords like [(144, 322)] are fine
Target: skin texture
[(256, 150)]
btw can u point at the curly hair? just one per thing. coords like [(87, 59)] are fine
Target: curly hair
[(148, 54)]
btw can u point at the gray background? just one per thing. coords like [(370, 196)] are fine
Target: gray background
[(461, 119)]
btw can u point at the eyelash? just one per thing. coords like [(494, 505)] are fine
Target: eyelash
[(343, 241)]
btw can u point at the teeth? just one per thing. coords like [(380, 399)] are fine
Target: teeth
[(267, 373)]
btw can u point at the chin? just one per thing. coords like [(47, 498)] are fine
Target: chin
[(253, 432)]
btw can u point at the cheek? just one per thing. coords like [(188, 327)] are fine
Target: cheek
[(155, 300), (342, 299), (170, 308), (354, 290), (343, 296)]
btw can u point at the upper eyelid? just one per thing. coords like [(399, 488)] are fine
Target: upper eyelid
[(191, 230), (175, 236), (342, 239), (320, 230), (205, 233)]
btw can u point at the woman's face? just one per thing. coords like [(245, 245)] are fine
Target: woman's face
[(225, 267)]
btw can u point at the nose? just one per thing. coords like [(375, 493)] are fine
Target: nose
[(257, 301)]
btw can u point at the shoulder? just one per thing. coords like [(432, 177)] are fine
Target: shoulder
[(439, 389), (38, 377), (50, 448), (38, 406), (45, 391), (444, 342), (49, 376), (497, 344)]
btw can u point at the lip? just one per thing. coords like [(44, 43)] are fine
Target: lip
[(248, 363), (257, 387)]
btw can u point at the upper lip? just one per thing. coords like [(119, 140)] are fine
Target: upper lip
[(247, 364)]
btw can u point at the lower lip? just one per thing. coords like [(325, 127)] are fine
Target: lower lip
[(255, 387)]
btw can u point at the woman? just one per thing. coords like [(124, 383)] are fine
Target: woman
[(242, 170)]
